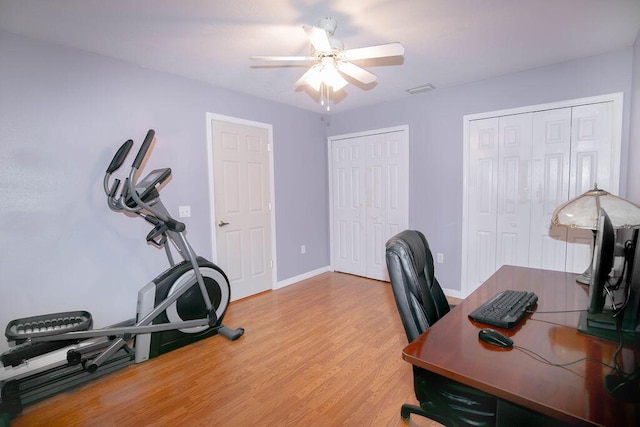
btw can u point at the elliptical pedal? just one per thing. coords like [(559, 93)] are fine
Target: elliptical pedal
[(20, 330)]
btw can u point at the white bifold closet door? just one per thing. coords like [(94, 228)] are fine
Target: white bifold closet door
[(520, 168), (369, 199)]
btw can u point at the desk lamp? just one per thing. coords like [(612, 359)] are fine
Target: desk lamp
[(582, 212)]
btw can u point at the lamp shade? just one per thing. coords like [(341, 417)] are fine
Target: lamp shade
[(582, 211)]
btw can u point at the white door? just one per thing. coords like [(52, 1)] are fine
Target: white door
[(349, 249), (482, 206), (514, 190), (593, 162), (550, 187), (499, 194), (521, 166), (369, 199), (386, 195), (242, 199)]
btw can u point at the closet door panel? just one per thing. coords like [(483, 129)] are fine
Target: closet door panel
[(592, 163), (483, 199), (375, 196), (514, 184), (348, 206), (397, 186), (550, 184), (386, 195), (591, 146)]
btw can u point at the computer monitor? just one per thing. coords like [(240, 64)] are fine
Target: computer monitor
[(631, 318), (613, 322), (603, 253)]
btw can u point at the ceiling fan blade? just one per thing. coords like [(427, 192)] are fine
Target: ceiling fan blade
[(313, 78), (379, 51), (356, 72), (318, 38), (283, 58), (335, 79)]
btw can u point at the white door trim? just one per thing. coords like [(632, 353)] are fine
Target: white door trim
[(330, 140), (210, 117), (616, 98)]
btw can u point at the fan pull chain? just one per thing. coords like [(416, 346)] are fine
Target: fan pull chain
[(325, 95)]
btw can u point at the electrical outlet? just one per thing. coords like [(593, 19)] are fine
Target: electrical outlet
[(303, 249), (440, 257), (184, 211)]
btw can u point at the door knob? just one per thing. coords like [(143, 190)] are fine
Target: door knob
[(222, 223)]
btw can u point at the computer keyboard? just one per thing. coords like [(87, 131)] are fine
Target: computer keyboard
[(505, 309)]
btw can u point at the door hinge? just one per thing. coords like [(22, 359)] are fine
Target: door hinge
[(268, 147), (269, 206), (271, 263)]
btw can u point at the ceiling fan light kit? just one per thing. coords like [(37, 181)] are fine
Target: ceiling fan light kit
[(332, 60)]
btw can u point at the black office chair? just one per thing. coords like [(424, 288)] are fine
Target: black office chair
[(421, 303)]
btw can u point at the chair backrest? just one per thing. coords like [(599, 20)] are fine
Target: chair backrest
[(416, 290)]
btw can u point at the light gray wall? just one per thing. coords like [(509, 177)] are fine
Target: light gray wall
[(63, 113), (435, 122)]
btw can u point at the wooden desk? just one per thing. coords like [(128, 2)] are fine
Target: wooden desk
[(573, 394)]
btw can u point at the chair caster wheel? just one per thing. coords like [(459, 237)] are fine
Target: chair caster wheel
[(404, 413)]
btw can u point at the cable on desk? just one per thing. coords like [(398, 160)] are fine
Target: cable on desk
[(554, 312), (616, 364), (560, 365)]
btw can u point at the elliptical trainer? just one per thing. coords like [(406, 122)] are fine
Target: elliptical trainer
[(187, 302)]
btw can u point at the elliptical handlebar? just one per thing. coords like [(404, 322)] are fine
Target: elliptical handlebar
[(129, 199), (143, 150), (132, 185), (120, 156), (119, 203), (116, 162)]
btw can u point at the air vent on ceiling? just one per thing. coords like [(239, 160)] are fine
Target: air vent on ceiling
[(420, 89)]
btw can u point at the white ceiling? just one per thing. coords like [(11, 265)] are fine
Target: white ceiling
[(447, 42)]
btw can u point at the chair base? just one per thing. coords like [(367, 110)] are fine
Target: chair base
[(407, 409)]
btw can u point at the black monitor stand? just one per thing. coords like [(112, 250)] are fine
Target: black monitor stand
[(605, 325), (624, 388)]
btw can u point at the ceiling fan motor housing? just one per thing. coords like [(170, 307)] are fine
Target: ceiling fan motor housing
[(328, 24)]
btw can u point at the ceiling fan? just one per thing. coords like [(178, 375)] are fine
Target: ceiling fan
[(331, 60)]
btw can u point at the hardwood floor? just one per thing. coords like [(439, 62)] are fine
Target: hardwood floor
[(323, 352)]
